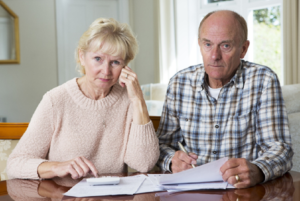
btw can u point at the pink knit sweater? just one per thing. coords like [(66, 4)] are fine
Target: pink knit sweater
[(66, 124)]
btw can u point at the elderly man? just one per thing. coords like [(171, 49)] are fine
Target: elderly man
[(226, 107)]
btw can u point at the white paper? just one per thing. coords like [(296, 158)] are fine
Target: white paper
[(185, 187), (229, 186), (196, 186), (154, 178), (148, 186), (127, 186), (205, 173)]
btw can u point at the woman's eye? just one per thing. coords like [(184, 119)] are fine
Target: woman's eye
[(97, 58), (116, 62)]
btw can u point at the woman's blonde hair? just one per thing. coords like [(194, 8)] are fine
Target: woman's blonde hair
[(109, 36)]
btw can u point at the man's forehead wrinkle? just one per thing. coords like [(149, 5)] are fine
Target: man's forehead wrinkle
[(216, 28), (222, 40)]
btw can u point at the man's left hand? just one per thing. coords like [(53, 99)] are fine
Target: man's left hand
[(241, 173)]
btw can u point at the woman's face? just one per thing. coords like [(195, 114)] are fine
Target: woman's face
[(102, 70)]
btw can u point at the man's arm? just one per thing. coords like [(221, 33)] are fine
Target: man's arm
[(272, 132), (168, 133), (272, 135)]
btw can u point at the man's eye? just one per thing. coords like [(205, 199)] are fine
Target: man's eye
[(97, 58), (226, 46), (207, 44)]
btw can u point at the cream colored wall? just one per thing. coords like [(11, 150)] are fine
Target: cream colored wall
[(23, 85), (144, 22)]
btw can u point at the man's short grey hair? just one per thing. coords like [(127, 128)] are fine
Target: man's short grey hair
[(241, 21)]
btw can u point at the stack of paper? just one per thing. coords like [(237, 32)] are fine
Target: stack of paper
[(207, 176)]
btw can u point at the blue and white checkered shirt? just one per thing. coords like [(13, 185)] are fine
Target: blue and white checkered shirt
[(248, 120)]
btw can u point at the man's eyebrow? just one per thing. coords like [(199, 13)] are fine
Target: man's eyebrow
[(206, 40), (224, 41)]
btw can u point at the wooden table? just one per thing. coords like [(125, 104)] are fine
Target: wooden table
[(286, 187)]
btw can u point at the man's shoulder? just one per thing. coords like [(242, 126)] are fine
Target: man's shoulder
[(251, 68), (257, 76)]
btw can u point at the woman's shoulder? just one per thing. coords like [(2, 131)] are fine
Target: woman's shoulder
[(60, 91)]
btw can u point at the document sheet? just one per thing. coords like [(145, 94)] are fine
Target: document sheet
[(209, 172), (207, 176), (148, 186), (185, 187), (127, 186)]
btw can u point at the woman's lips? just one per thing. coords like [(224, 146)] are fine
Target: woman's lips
[(104, 80)]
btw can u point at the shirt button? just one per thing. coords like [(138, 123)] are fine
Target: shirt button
[(215, 152), (186, 119), (216, 126)]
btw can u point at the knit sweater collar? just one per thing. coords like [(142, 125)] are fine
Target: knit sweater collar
[(86, 103)]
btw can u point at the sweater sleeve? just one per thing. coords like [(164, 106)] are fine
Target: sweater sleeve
[(142, 148), (33, 147)]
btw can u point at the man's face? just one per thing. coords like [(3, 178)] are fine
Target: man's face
[(221, 48)]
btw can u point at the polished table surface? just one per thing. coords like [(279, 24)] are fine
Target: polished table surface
[(286, 187)]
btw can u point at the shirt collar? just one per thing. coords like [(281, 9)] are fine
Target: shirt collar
[(237, 79)]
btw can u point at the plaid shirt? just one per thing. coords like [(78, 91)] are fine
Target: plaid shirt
[(248, 120)]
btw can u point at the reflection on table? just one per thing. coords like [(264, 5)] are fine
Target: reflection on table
[(282, 188)]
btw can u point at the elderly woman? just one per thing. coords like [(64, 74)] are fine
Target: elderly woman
[(94, 124)]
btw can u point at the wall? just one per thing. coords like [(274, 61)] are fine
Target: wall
[(144, 23), (23, 85)]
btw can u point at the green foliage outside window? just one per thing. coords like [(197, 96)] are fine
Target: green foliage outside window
[(267, 38)]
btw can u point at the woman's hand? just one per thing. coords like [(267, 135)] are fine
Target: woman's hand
[(76, 168), (129, 79)]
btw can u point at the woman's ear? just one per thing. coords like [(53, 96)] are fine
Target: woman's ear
[(81, 57)]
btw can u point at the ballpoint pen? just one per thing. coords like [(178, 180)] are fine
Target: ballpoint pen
[(183, 149)]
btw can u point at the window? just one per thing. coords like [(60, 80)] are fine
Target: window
[(267, 47)]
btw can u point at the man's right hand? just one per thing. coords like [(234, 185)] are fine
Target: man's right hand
[(181, 161)]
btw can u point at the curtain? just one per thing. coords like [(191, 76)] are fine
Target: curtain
[(291, 41), (178, 36), (167, 45)]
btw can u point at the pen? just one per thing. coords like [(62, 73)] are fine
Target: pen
[(183, 149)]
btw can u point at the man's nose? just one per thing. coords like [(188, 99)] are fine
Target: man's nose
[(216, 53)]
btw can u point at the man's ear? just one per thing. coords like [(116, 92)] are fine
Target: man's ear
[(245, 49)]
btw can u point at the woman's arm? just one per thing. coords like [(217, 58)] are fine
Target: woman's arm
[(142, 147), (33, 147), (129, 79), (77, 168), (28, 159)]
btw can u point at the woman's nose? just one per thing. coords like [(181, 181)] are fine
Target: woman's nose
[(105, 67)]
